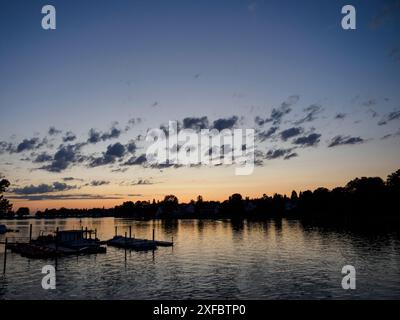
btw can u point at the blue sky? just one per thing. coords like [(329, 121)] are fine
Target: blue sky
[(110, 61)]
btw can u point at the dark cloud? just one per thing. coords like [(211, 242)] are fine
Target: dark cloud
[(311, 112), (66, 197), (132, 122), (141, 182), (53, 131), (64, 157), (28, 144), (71, 179), (97, 136), (43, 188), (131, 146), (69, 136), (260, 121), (278, 113), (280, 153), (97, 183), (390, 117), (195, 123), (94, 136), (343, 140), (6, 147), (290, 156), (291, 132), (228, 123), (135, 161), (308, 141), (391, 135), (112, 134), (114, 151), (43, 157), (340, 116), (264, 135)]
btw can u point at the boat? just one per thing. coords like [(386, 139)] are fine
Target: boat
[(63, 243)]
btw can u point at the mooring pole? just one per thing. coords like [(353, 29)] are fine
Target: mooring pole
[(86, 233), (56, 240), (153, 235), (30, 233), (125, 245), (130, 231), (116, 230), (95, 234), (5, 256)]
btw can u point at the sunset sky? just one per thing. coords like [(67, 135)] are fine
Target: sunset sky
[(76, 102)]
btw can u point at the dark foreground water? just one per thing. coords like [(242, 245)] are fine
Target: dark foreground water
[(275, 259)]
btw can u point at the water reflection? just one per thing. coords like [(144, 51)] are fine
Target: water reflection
[(274, 259)]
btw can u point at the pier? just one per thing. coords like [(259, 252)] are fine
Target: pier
[(133, 243)]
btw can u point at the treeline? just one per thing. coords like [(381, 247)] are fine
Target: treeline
[(360, 198)]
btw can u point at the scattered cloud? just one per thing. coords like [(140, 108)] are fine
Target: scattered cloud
[(278, 113), (43, 188), (340, 116), (113, 152), (290, 133), (308, 141), (67, 197), (195, 123), (228, 123), (97, 183), (53, 131), (343, 140), (395, 115), (264, 135), (69, 136), (280, 153), (64, 157), (311, 113), (42, 157), (134, 161), (142, 182)]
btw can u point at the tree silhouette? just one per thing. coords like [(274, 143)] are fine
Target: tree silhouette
[(393, 180), (5, 206)]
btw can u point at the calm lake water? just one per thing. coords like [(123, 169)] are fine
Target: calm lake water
[(275, 259)]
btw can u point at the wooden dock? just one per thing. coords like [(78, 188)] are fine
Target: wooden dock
[(137, 244), (133, 243)]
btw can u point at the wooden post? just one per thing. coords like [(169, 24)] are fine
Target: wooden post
[(116, 230), (153, 235), (125, 245), (5, 256), (56, 240), (86, 232), (95, 234), (130, 231), (30, 233)]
